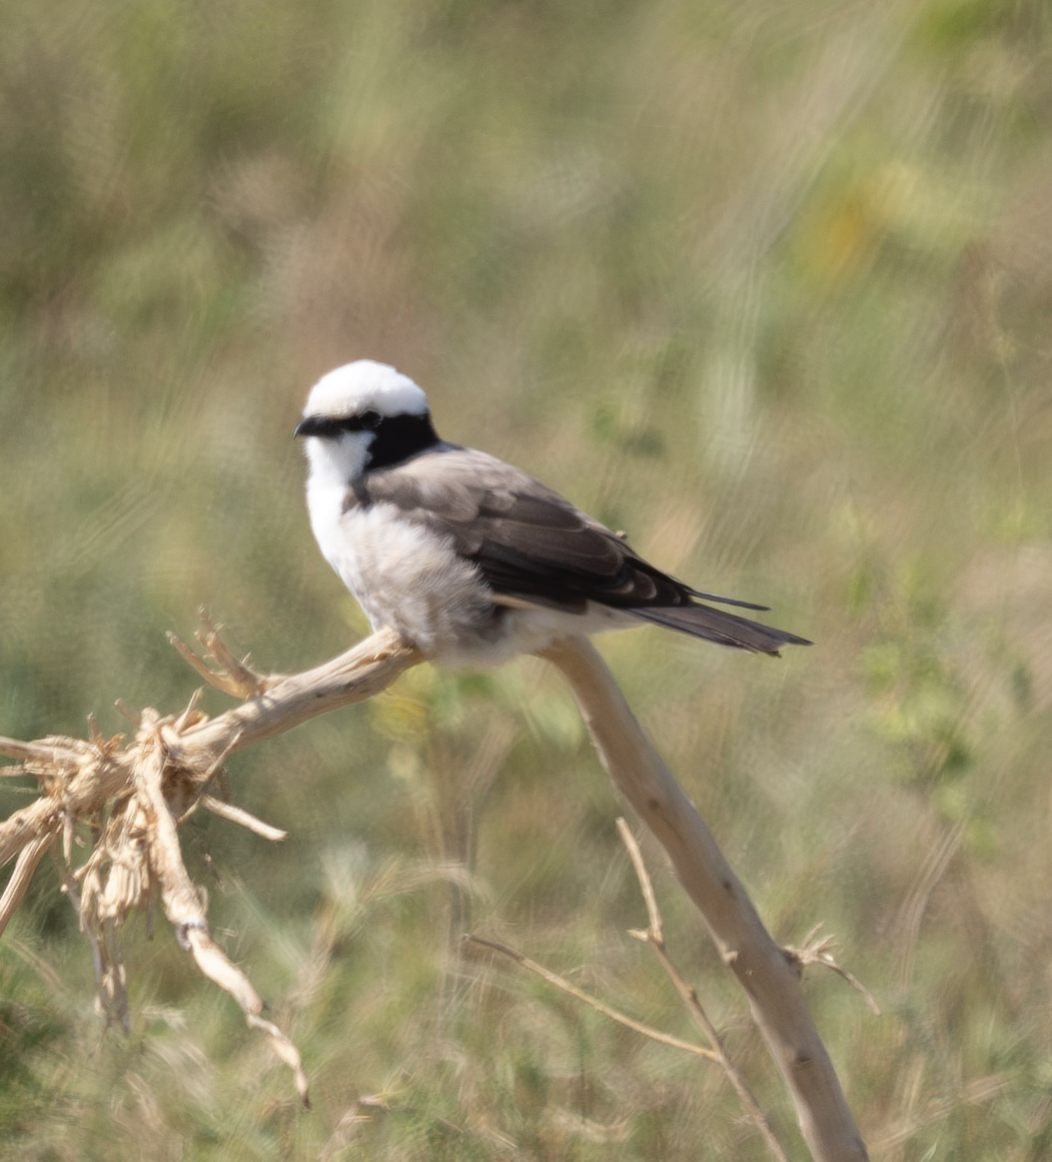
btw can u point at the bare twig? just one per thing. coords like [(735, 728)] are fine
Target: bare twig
[(562, 983), (28, 859), (184, 905), (654, 936), (819, 950), (132, 715), (242, 817), (111, 998), (229, 673), (134, 795), (769, 978)]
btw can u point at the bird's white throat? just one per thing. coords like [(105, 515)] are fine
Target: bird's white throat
[(334, 463)]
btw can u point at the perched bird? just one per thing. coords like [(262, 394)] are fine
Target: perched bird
[(469, 559)]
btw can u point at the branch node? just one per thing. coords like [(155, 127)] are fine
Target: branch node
[(819, 950), (183, 930)]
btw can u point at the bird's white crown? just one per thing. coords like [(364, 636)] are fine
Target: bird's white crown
[(362, 385)]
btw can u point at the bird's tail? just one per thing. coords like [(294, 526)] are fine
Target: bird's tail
[(727, 629)]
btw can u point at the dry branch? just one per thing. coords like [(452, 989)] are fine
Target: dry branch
[(560, 982), (134, 795), (770, 978), (654, 935)]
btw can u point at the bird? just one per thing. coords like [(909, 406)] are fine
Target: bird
[(467, 558)]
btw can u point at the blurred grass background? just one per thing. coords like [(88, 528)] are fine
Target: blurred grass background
[(767, 286)]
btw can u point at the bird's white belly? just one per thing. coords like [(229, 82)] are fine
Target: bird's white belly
[(408, 579)]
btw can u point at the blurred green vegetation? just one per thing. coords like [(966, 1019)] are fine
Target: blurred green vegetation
[(767, 286)]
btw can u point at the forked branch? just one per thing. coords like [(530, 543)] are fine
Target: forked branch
[(135, 794), (654, 936), (770, 978)]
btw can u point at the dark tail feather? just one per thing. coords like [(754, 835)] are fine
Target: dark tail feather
[(725, 628), (725, 600)]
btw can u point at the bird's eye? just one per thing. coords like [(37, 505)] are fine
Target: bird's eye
[(367, 421)]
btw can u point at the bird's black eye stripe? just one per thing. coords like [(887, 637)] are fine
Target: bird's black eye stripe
[(360, 422), (395, 438), (330, 427), (367, 421)]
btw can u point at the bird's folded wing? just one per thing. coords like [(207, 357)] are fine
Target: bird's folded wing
[(525, 539)]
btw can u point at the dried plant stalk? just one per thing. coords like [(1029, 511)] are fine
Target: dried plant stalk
[(28, 859), (560, 982), (771, 979), (134, 795), (655, 937)]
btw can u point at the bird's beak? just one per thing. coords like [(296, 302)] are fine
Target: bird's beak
[(311, 426)]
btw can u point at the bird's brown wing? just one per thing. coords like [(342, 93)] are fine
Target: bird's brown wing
[(530, 543)]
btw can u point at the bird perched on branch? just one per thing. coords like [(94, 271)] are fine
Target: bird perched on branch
[(469, 559)]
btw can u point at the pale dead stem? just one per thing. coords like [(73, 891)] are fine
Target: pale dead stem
[(560, 982), (768, 975), (123, 804), (819, 950), (812, 953), (28, 859), (654, 936)]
